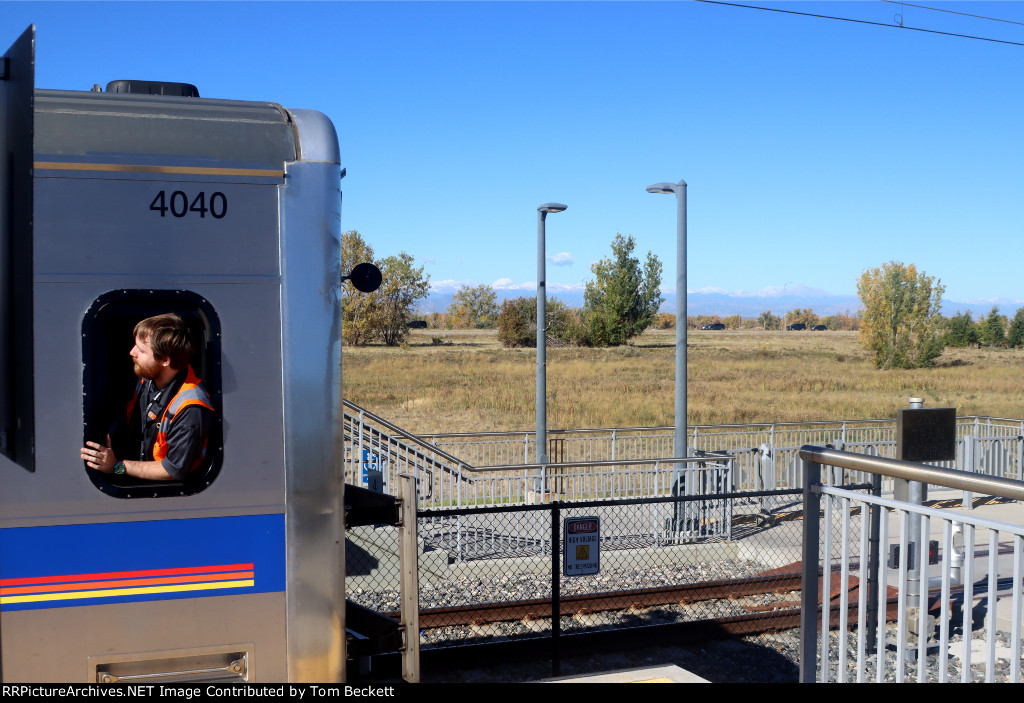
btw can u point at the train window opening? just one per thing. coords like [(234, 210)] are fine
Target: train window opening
[(109, 382)]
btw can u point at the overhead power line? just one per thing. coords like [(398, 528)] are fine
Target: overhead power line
[(951, 12), (856, 21)]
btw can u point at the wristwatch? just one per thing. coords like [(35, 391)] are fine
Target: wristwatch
[(119, 468)]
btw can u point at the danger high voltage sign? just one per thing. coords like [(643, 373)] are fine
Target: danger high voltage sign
[(582, 546)]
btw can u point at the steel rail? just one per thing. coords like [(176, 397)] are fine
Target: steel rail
[(777, 615), (949, 478), (780, 615), (612, 600)]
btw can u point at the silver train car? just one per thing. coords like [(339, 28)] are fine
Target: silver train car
[(125, 203)]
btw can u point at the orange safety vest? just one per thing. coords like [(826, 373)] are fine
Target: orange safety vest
[(192, 392)]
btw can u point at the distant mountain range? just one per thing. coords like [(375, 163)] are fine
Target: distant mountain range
[(746, 304)]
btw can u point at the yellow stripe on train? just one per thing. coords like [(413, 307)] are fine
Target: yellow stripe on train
[(114, 592)]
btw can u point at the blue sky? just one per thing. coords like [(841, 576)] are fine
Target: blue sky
[(813, 148)]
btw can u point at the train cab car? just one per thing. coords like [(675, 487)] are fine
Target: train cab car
[(118, 205)]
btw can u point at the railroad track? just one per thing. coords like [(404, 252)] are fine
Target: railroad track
[(613, 600), (783, 613)]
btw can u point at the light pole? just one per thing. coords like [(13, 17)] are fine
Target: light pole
[(680, 190), (542, 367)]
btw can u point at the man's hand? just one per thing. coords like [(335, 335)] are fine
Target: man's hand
[(99, 457)]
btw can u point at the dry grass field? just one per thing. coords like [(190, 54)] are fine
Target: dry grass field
[(470, 383)]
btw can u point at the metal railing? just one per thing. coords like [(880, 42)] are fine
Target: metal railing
[(377, 452), (853, 639), (765, 456)]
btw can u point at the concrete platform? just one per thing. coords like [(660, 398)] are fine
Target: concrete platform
[(669, 673)]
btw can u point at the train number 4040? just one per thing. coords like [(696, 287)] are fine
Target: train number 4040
[(180, 204)]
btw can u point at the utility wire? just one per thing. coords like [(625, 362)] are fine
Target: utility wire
[(849, 19), (952, 12)]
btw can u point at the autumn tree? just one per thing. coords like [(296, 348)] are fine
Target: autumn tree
[(807, 317), (665, 321), (623, 299), (767, 321), (695, 322), (517, 322), (900, 315), (473, 307), (402, 285), (356, 307), (842, 321), (383, 314)]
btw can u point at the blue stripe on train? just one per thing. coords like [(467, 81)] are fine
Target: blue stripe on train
[(63, 550)]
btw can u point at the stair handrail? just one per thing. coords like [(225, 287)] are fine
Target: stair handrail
[(413, 438)]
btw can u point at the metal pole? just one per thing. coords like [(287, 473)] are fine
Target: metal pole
[(679, 444), (809, 578), (541, 439), (874, 561), (917, 552), (680, 439), (556, 588)]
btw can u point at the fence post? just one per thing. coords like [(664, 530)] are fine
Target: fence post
[(1020, 458), (874, 561), (730, 486), (556, 588), (358, 478), (654, 513), (458, 518), (809, 578), (970, 464), (408, 559)]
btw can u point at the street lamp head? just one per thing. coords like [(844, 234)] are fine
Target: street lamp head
[(551, 207), (661, 188)]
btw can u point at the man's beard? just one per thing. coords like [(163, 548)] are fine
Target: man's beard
[(141, 372)]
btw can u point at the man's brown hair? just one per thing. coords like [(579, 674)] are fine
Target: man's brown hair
[(169, 337)]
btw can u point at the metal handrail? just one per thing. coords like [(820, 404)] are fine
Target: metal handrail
[(950, 478), (669, 428), (710, 456), (384, 446), (411, 437), (819, 547)]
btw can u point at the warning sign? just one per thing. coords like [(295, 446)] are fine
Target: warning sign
[(582, 548)]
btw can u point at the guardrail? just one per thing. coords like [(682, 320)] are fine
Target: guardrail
[(377, 452), (824, 657), (766, 454)]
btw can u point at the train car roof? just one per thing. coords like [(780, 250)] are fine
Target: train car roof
[(127, 125)]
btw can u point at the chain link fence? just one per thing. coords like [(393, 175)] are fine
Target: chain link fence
[(742, 580)]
